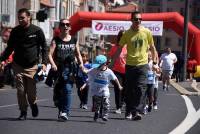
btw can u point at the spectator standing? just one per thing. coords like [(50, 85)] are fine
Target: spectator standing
[(63, 50), (191, 67), (26, 40), (167, 61), (6, 72), (5, 34), (117, 64), (138, 40)]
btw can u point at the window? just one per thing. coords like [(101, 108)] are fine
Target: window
[(182, 11), (169, 9), (198, 12), (90, 8)]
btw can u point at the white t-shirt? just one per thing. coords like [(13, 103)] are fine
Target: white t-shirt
[(150, 73), (99, 81), (167, 61)]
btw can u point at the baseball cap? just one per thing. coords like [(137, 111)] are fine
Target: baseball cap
[(99, 60)]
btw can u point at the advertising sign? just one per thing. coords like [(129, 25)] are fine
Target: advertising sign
[(104, 27)]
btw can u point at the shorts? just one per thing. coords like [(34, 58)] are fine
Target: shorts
[(167, 73)]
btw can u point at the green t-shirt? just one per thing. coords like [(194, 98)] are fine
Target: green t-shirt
[(137, 45)]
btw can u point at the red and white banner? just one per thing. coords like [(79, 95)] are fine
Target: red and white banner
[(104, 27)]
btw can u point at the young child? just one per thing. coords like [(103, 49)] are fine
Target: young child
[(155, 93), (99, 78), (151, 77), (81, 80)]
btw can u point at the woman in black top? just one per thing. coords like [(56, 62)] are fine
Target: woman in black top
[(63, 50)]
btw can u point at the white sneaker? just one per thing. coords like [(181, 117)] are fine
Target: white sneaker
[(155, 107), (85, 106), (129, 116), (63, 116), (145, 109), (118, 111)]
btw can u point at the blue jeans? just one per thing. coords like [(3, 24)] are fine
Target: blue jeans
[(135, 86), (65, 97)]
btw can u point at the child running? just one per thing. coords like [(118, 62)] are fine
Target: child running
[(99, 78), (155, 93), (153, 69), (81, 80)]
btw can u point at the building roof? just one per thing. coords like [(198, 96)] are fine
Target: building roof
[(126, 8)]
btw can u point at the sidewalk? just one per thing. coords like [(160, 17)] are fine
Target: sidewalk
[(187, 87), (6, 87)]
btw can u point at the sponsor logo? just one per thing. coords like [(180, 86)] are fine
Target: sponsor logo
[(99, 26), (153, 29)]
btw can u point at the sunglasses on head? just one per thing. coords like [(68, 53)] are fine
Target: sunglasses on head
[(137, 19), (65, 24)]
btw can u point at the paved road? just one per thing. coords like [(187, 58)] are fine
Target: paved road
[(171, 113)]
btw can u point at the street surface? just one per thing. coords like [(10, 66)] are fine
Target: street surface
[(172, 116)]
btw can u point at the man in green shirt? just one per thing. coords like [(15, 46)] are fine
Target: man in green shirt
[(138, 40)]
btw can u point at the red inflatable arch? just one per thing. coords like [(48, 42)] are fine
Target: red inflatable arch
[(171, 20)]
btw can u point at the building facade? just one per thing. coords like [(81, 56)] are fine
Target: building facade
[(170, 38)]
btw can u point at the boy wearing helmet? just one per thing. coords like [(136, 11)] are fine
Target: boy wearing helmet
[(99, 78)]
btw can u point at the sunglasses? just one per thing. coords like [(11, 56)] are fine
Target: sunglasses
[(137, 19), (65, 24)]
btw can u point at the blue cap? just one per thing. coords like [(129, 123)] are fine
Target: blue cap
[(99, 60)]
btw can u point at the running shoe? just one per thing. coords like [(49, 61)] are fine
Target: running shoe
[(128, 116), (118, 111), (105, 118), (155, 107), (137, 117), (63, 117)]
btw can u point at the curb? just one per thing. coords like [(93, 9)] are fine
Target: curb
[(194, 85), (183, 91)]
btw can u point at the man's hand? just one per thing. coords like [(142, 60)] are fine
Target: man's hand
[(120, 88)]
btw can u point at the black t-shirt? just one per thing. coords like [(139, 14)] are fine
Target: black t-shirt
[(26, 44), (65, 50)]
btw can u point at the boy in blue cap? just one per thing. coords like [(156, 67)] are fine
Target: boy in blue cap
[(99, 78)]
